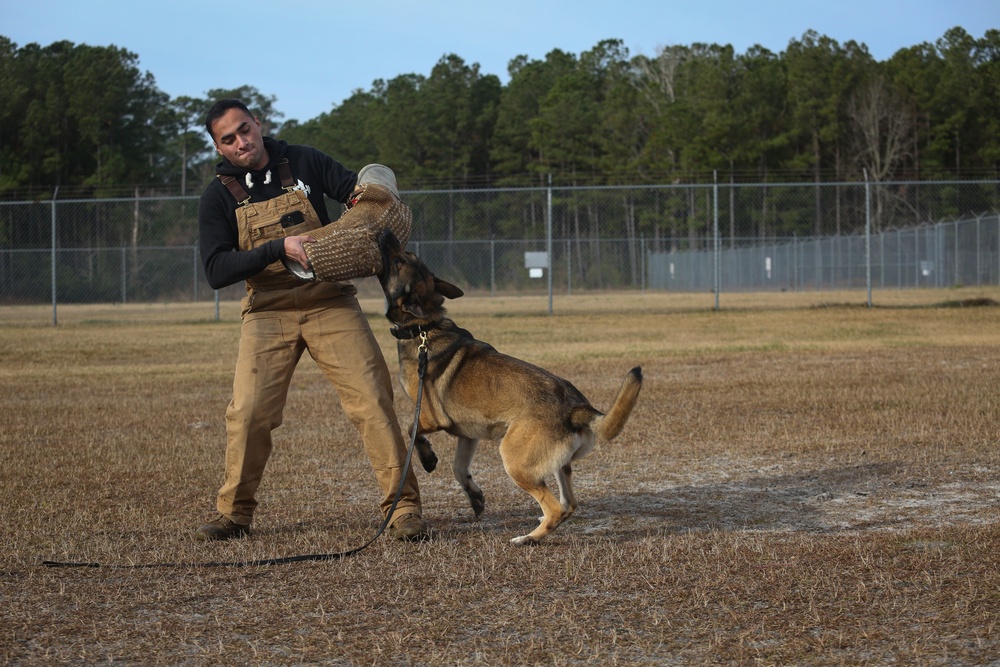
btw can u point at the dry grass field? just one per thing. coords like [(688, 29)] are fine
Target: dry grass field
[(801, 483)]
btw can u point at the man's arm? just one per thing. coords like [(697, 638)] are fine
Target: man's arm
[(219, 243)]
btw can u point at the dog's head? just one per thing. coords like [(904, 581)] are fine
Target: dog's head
[(414, 296)]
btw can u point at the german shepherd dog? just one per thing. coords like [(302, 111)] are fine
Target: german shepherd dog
[(474, 392)]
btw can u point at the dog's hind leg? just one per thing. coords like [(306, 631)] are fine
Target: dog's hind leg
[(584, 442), (564, 480), (465, 449), (552, 511), (528, 478)]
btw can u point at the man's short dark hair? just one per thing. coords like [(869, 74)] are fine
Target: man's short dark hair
[(219, 110)]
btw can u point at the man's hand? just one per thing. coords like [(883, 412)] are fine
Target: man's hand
[(353, 199), (295, 251)]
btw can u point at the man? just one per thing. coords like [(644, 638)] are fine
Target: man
[(258, 211)]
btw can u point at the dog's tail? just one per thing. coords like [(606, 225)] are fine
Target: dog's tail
[(611, 424)]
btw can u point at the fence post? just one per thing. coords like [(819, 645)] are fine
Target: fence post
[(548, 240), (956, 280), (881, 259), (939, 250), (55, 195), (868, 238), (569, 267), (795, 262), (493, 268), (717, 255), (979, 253), (817, 275), (642, 262), (124, 267), (899, 259)]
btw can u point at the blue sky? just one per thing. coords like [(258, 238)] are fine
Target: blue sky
[(312, 54)]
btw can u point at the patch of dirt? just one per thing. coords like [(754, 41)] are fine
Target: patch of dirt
[(785, 497)]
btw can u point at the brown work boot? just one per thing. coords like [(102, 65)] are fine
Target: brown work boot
[(221, 529), (410, 528)]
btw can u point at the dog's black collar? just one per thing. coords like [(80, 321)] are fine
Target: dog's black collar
[(406, 333)]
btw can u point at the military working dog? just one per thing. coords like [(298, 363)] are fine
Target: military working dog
[(474, 392)]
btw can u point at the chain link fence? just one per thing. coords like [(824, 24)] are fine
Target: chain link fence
[(947, 254), (695, 238)]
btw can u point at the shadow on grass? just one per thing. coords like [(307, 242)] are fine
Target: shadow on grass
[(841, 498)]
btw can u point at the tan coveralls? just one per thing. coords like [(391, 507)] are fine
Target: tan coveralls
[(282, 317)]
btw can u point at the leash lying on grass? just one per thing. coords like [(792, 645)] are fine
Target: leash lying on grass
[(290, 559)]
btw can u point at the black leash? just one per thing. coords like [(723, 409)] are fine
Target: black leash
[(421, 371)]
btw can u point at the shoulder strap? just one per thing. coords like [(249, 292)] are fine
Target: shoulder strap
[(285, 173), (235, 189)]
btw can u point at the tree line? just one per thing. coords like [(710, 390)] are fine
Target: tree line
[(87, 120)]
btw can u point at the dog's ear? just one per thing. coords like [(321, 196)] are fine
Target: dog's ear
[(389, 249), (387, 241), (446, 289)]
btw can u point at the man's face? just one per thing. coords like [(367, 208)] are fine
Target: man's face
[(237, 138)]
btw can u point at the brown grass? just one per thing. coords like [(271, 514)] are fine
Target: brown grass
[(801, 483)]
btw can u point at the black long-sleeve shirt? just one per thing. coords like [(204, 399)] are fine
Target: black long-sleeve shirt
[(219, 238)]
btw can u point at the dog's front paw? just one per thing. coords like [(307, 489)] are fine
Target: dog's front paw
[(524, 541), (428, 459)]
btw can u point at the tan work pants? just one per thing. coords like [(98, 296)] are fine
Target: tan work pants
[(277, 327)]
